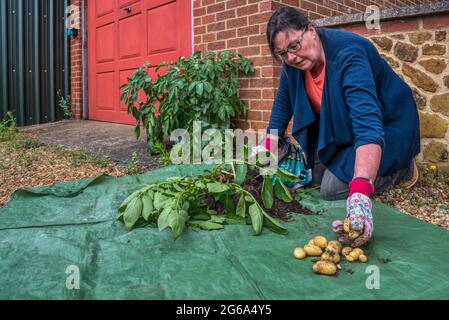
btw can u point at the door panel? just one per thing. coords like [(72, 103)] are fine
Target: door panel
[(124, 34)]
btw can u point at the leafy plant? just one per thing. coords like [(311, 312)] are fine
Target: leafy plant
[(181, 201), (9, 123), (164, 156), (196, 88), (65, 103), (133, 166)]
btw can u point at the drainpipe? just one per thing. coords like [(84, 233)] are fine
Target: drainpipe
[(84, 60)]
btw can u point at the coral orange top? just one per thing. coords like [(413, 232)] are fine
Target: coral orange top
[(314, 88)]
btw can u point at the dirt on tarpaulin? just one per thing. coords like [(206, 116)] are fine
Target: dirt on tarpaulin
[(253, 184)]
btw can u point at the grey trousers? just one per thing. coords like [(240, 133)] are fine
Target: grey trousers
[(332, 188)]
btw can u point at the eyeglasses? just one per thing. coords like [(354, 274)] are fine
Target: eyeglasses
[(292, 48)]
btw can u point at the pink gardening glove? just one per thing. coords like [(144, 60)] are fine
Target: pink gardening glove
[(359, 214)]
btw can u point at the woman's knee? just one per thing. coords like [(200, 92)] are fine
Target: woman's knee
[(333, 188)]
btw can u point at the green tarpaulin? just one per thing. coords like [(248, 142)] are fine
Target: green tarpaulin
[(48, 233)]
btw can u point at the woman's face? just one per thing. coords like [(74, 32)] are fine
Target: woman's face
[(298, 48)]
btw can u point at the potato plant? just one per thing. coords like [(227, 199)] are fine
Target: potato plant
[(179, 202)]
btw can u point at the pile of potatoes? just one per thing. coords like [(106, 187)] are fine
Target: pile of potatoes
[(329, 251)]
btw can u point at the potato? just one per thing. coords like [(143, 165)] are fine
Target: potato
[(346, 225), (363, 258), (324, 267), (349, 258), (339, 266), (346, 251), (355, 254), (299, 253), (325, 257), (312, 250), (311, 242), (320, 241), (336, 258), (333, 246), (354, 234)]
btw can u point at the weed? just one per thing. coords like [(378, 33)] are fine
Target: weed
[(133, 166)]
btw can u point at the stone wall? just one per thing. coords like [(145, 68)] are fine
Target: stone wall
[(419, 54)]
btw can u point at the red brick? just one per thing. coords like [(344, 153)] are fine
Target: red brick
[(238, 22), (247, 10), (216, 26), (209, 37), (259, 125), (265, 50), (260, 18), (261, 83), (399, 25), (307, 5), (255, 115), (207, 2), (268, 93), (265, 6), (261, 104), (235, 3), (200, 47), (250, 93), (238, 42), (260, 39), (199, 12), (266, 115), (196, 4), (197, 21), (324, 11), (218, 45), (216, 8), (267, 72), (228, 34), (249, 51), (229, 14), (244, 83), (208, 19), (263, 61), (436, 21), (199, 30), (294, 3), (248, 31)]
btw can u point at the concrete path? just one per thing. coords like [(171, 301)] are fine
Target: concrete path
[(115, 142)]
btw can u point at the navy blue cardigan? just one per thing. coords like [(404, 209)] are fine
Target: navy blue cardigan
[(364, 101)]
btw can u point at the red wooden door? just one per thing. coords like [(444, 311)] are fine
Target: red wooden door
[(122, 35)]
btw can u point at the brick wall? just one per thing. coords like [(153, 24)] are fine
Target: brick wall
[(76, 71), (241, 24)]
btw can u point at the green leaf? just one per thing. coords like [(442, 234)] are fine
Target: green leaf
[(217, 219), (249, 199), (200, 89), (256, 218), (148, 207), (160, 200), (267, 192), (283, 174), (272, 224), (132, 213), (162, 221), (122, 207), (281, 191), (206, 225), (235, 219), (240, 173), (177, 221), (241, 206), (217, 187)]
